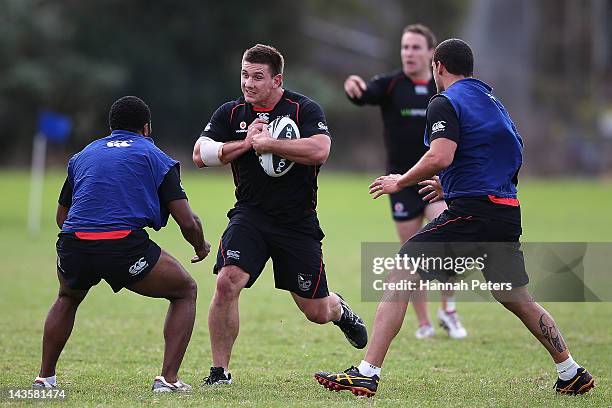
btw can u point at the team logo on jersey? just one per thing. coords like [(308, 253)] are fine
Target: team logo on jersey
[(233, 254), (303, 284), (438, 126), (243, 125), (421, 89), (119, 143), (138, 266), (263, 116), (322, 126)]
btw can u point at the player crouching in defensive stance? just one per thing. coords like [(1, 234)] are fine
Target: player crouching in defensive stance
[(275, 214), (477, 151), (117, 186)]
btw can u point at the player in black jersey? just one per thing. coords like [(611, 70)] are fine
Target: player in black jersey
[(403, 96), (274, 217)]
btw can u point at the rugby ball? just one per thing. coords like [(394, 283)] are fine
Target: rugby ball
[(280, 128)]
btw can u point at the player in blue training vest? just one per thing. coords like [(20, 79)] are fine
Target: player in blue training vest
[(488, 159), (477, 152), (117, 186), (113, 191)]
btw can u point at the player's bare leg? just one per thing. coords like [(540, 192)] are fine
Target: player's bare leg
[(321, 311), (223, 314), (58, 326), (333, 308), (389, 317), (168, 279), (573, 379), (539, 322)]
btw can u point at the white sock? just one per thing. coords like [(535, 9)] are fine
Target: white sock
[(51, 380), (368, 369), (567, 369), (450, 304)]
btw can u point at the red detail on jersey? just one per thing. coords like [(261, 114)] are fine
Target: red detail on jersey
[(234, 108), (256, 109), (391, 85), (94, 236), (505, 201), (297, 111)]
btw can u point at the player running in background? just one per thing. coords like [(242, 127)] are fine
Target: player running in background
[(403, 96), (477, 151), (117, 186), (274, 217)]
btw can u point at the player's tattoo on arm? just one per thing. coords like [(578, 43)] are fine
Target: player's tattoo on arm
[(551, 333)]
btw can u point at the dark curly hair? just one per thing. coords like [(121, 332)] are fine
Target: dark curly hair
[(129, 113), (456, 55)]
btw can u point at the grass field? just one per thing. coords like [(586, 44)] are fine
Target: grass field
[(116, 346)]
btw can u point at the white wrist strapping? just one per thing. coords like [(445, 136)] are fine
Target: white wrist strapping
[(209, 152)]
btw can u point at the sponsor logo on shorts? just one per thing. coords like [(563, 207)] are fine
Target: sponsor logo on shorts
[(233, 254), (138, 267), (303, 284), (399, 210), (438, 126), (322, 126), (207, 128), (119, 143)]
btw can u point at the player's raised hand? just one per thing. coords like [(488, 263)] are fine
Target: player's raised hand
[(433, 188), (354, 86), (201, 253), (385, 185)]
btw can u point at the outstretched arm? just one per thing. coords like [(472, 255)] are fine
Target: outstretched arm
[(439, 156), (372, 92)]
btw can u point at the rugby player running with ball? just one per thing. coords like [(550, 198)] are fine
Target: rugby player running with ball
[(273, 217)]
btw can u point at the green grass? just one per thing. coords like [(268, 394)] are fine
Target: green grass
[(116, 346)]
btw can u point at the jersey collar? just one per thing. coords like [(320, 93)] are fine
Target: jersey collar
[(268, 109), (127, 133)]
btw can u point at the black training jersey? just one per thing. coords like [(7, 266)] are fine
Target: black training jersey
[(291, 196), (403, 103)]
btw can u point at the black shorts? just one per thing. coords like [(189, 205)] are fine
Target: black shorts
[(407, 204), (252, 238), (120, 262), (473, 227)]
